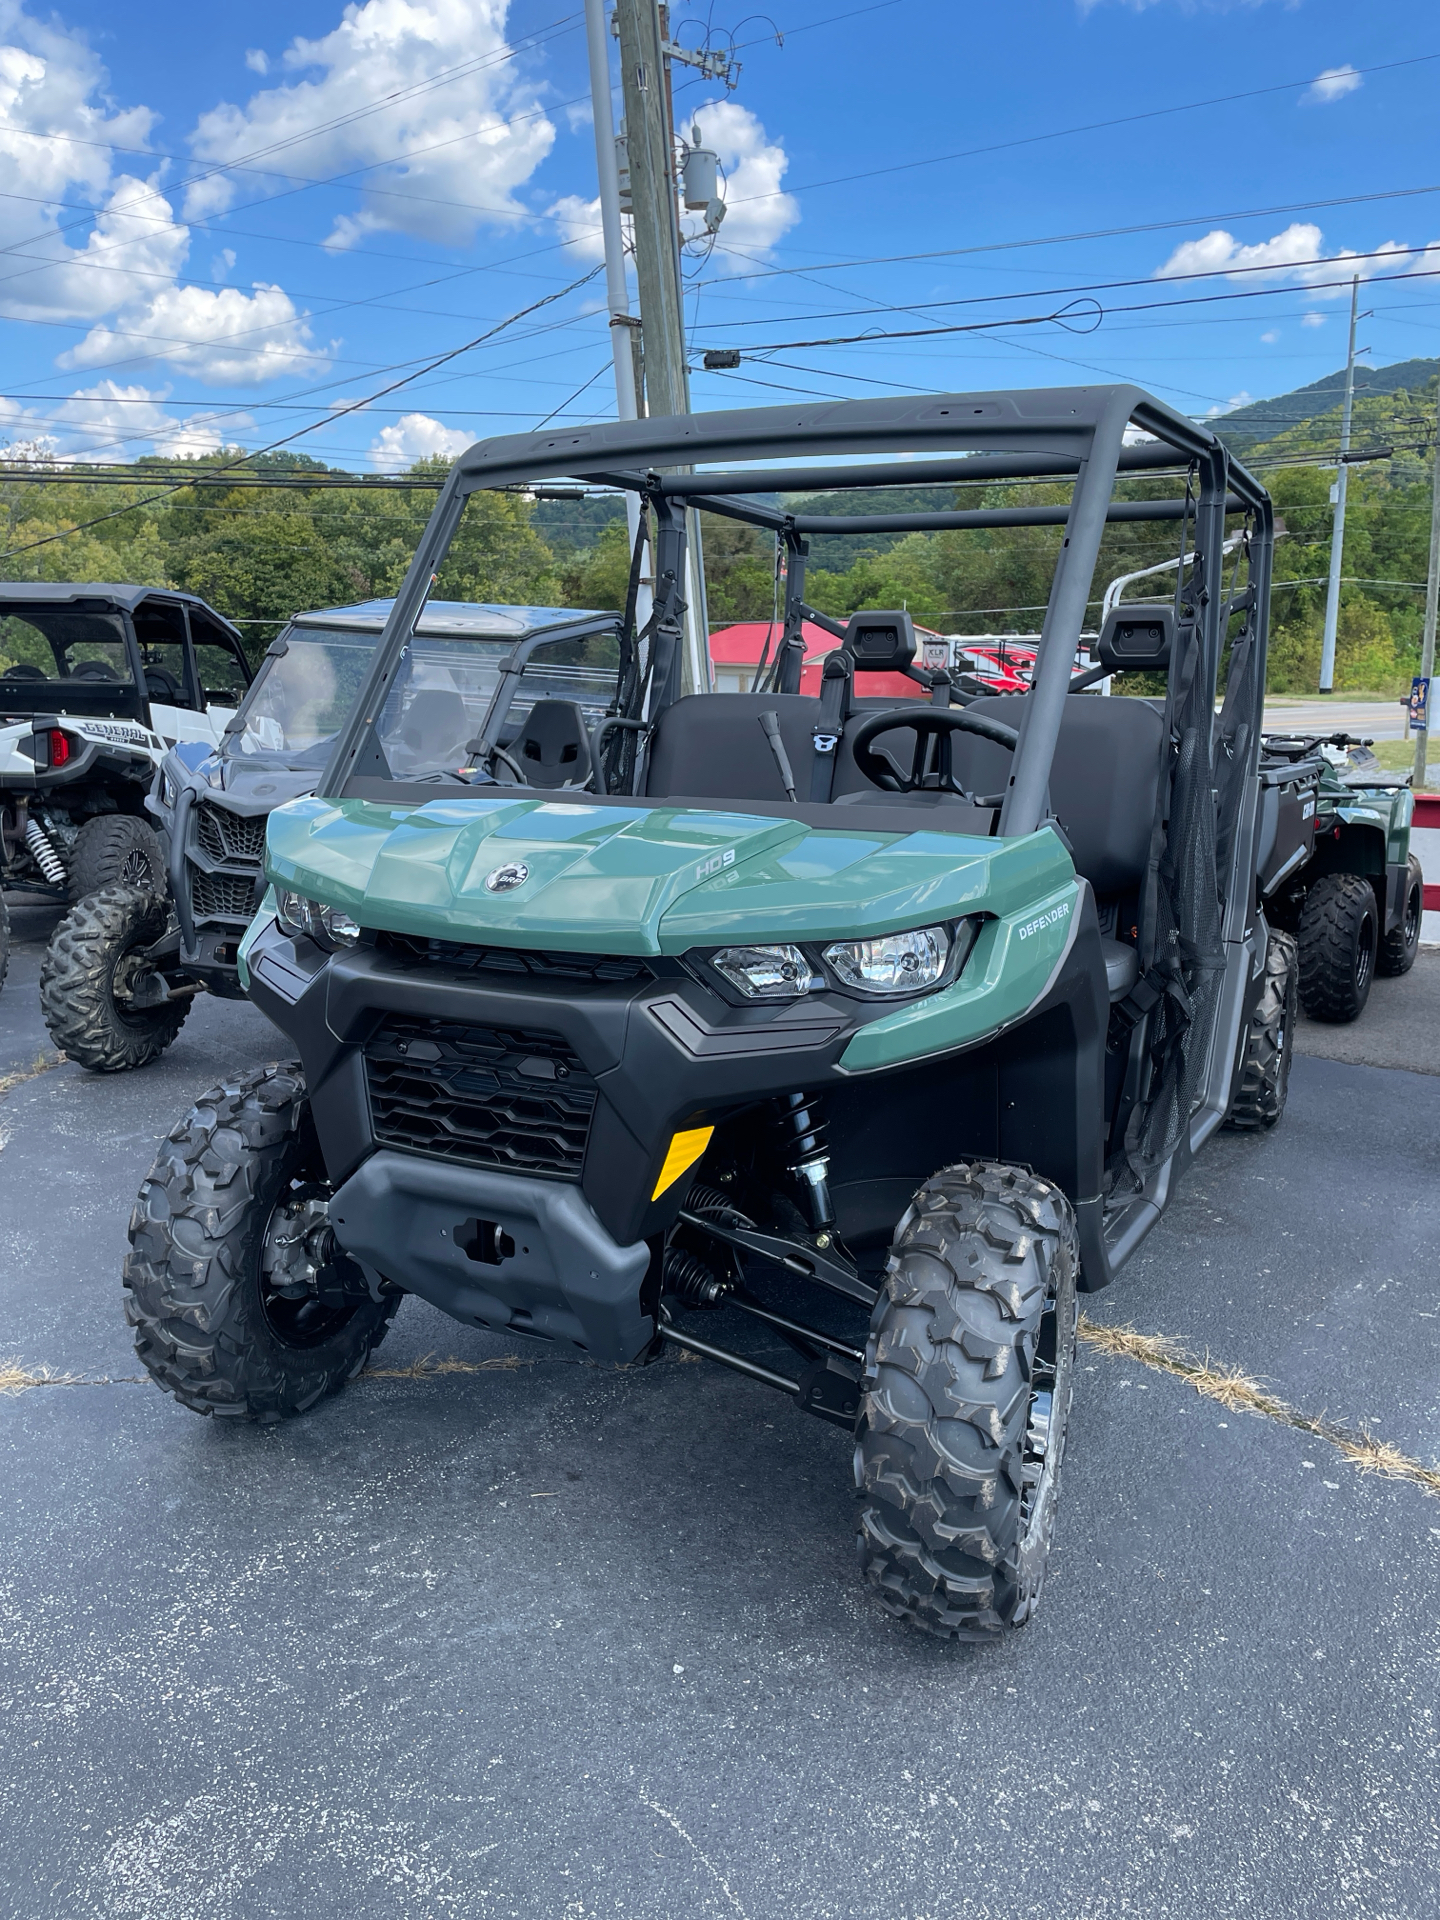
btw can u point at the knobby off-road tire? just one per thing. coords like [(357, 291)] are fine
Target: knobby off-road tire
[(115, 849), (968, 1374), (1263, 1081), (1339, 930), (94, 958), (208, 1325), (1398, 949)]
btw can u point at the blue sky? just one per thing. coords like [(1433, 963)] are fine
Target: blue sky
[(222, 224)]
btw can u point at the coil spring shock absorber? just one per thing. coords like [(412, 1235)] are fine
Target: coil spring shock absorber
[(44, 854), (802, 1121)]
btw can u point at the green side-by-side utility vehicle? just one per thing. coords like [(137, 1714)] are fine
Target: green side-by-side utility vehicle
[(754, 1024), (1341, 875)]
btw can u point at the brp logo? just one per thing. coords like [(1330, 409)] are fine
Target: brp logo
[(505, 879)]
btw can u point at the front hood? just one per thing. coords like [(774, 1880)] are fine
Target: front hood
[(641, 879)]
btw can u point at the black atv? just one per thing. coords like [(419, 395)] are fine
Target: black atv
[(839, 1040), (1339, 873), (123, 968)]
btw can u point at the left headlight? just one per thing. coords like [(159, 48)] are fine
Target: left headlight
[(895, 963), (328, 927)]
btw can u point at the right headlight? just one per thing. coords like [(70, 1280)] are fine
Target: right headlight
[(329, 927)]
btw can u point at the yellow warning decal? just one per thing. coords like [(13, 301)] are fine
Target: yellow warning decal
[(685, 1149)]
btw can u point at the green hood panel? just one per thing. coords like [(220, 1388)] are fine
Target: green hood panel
[(642, 879)]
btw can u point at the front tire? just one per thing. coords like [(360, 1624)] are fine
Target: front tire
[(1398, 949), (1339, 931), (211, 1275), (89, 979), (113, 850), (968, 1376), (1263, 1082)]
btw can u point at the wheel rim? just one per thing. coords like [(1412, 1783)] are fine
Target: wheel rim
[(1414, 907), (1365, 958), (130, 968), (135, 871), (1045, 1427)]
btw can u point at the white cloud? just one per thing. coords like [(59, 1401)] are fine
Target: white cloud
[(257, 60), (1241, 399), (757, 213), (416, 437), (1299, 254), (1269, 339), (113, 422), (463, 147), (1333, 84), (579, 224), (1313, 320), (122, 281)]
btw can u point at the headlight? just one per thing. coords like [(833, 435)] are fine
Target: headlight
[(766, 973), (328, 927), (895, 963)]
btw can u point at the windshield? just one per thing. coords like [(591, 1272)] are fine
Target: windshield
[(300, 696), (438, 702), (63, 660)]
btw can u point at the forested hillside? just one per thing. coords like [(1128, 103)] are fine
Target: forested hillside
[(260, 552)]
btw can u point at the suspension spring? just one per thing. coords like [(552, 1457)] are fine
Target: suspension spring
[(805, 1130), (43, 853)]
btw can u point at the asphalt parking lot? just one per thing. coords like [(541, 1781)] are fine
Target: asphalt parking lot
[(529, 1638)]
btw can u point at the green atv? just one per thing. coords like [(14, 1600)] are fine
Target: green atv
[(856, 1032), (1351, 891)]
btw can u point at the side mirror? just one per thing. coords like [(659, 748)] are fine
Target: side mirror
[(1137, 638)]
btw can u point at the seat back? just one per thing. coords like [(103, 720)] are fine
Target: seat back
[(552, 747), (711, 746), (1104, 782), (434, 732)]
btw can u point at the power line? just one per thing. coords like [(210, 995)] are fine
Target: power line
[(337, 414)]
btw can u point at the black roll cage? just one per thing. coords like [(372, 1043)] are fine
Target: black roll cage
[(1077, 433)]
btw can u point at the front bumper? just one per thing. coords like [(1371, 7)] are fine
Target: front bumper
[(497, 1250)]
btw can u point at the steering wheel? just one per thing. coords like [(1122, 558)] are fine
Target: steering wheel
[(927, 724), (499, 753)]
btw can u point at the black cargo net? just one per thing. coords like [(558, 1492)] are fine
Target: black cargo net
[(1181, 942)]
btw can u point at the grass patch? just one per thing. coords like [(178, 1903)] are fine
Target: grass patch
[(1243, 1394), (42, 1063)]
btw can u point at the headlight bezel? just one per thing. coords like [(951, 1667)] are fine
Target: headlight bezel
[(332, 929), (960, 933)]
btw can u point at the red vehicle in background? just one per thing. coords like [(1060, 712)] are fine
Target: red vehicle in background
[(995, 662)]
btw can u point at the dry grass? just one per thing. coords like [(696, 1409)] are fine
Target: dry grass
[(427, 1367), (1242, 1394), (16, 1377), (42, 1063)]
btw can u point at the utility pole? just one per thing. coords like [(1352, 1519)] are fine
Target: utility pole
[(650, 155), (617, 294), (1432, 601), (1337, 530)]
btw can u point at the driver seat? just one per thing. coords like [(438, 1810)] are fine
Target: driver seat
[(552, 747)]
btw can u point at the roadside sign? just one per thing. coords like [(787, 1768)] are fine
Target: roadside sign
[(1419, 704)]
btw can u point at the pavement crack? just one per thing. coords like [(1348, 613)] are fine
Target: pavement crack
[(698, 1851), (1243, 1394), (427, 1367), (42, 1063)]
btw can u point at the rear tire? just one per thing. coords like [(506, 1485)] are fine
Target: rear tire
[(92, 959), (1398, 949), (1263, 1081), (1339, 930), (116, 849), (200, 1277), (968, 1375)]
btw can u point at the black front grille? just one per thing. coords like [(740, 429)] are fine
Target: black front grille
[(230, 836), (222, 896), (515, 1098), (521, 963)]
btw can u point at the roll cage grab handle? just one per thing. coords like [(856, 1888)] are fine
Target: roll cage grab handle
[(1074, 432)]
